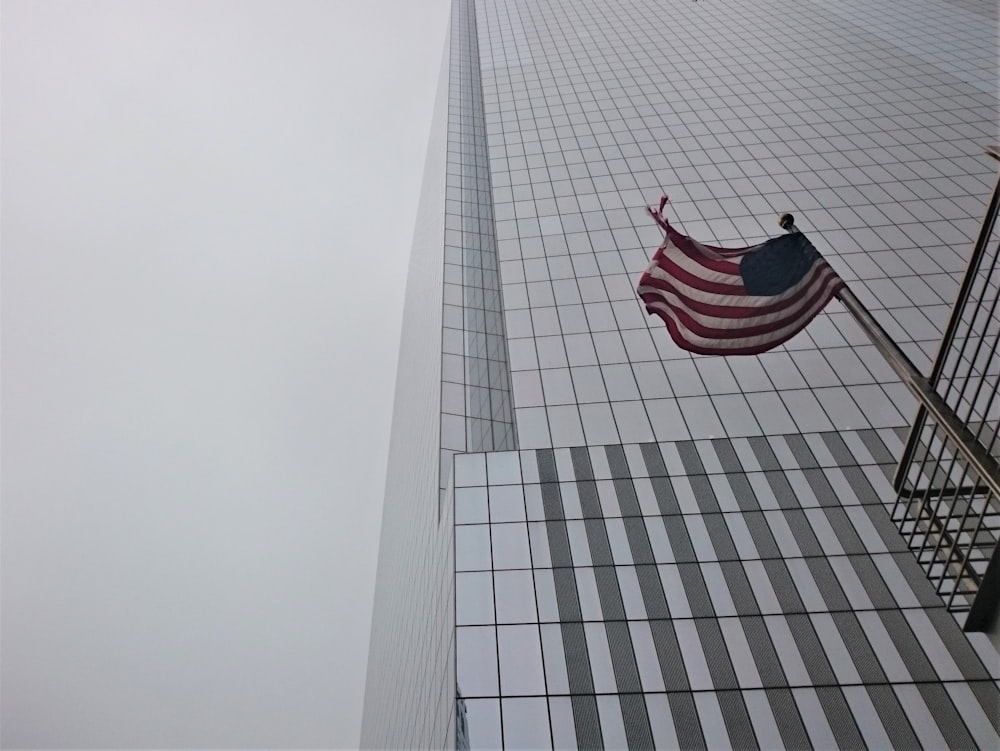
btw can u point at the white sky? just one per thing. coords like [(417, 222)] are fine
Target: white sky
[(207, 207)]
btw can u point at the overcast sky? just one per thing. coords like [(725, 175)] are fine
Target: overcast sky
[(207, 207)]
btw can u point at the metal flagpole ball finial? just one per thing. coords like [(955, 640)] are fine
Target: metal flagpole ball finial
[(785, 220)]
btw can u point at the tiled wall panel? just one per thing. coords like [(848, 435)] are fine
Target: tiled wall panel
[(706, 594), (867, 120)]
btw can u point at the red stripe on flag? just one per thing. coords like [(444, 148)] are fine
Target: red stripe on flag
[(693, 280), (810, 295), (724, 310), (689, 248), (745, 345)]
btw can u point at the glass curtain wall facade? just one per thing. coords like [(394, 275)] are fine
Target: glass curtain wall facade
[(639, 547)]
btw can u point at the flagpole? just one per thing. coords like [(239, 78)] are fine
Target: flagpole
[(975, 260), (981, 461)]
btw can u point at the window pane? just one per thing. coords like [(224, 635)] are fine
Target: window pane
[(483, 723), (526, 724), (515, 596), (510, 545), (472, 547), (476, 660), (506, 503), (473, 598), (521, 669), (470, 506)]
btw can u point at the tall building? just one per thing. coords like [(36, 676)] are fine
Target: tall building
[(600, 540)]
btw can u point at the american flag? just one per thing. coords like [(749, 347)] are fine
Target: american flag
[(735, 301)]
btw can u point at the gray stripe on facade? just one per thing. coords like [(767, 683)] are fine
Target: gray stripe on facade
[(567, 598), (946, 716), (600, 546), (746, 499), (590, 501), (720, 666), (803, 533), (828, 584), (917, 579), (555, 527), (782, 490), (637, 729), (907, 645), (862, 488), (810, 649), (838, 713), (988, 695), (686, 723), (801, 451), (587, 723), (961, 651), (838, 449), (666, 499), (704, 495), (680, 542), (577, 659), (760, 531), (559, 550), (582, 467), (727, 455), (860, 650), (617, 462), (847, 536), (654, 460), (876, 447), (737, 719), (887, 531), (609, 593), (689, 458), (552, 505), (653, 596), (698, 598), (668, 654), (784, 587), (623, 657), (628, 502), (786, 714), (546, 459), (739, 588), (722, 541), (638, 540), (765, 455), (636, 460), (872, 581), (821, 488), (706, 452), (764, 655), (893, 718)]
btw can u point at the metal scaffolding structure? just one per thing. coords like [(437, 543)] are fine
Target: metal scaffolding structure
[(948, 500)]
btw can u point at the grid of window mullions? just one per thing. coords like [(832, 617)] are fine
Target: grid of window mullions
[(478, 415), (711, 634), (613, 97), (925, 715), (588, 114)]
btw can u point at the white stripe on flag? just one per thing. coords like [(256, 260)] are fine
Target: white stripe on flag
[(745, 342), (735, 301), (690, 265)]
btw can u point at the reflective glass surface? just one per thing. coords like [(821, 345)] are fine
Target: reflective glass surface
[(863, 130), (599, 540)]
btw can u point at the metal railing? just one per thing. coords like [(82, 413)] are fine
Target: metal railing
[(947, 482)]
